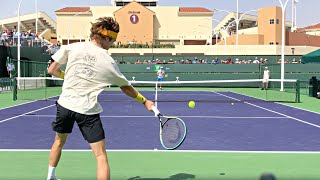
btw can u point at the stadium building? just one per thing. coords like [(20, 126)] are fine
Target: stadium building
[(140, 22), (187, 29)]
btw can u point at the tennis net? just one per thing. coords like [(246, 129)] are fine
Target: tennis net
[(46, 88)]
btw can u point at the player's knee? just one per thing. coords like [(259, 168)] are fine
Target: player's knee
[(60, 142)]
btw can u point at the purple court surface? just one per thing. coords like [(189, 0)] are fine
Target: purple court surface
[(217, 125)]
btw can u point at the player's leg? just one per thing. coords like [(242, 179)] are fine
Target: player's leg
[(158, 79), (55, 154), (263, 84), (92, 131), (99, 151), (266, 84), (62, 126), (161, 79), (56, 149)]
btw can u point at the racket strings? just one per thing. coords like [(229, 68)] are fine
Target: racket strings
[(173, 133)]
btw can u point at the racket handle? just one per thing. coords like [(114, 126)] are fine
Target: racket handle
[(155, 110)]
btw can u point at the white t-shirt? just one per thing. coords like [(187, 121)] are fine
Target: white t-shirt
[(88, 71), (160, 73), (266, 74)]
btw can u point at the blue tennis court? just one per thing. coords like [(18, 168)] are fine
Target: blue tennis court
[(212, 126)]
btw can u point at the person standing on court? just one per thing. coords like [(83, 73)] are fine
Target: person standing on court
[(265, 80), (160, 74), (89, 69)]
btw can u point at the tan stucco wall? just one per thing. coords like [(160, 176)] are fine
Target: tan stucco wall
[(73, 27), (168, 25), (271, 32), (173, 26), (253, 30), (244, 39), (139, 32)]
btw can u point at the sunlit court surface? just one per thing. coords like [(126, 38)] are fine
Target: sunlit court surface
[(235, 86)]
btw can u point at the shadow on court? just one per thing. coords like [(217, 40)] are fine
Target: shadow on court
[(180, 176)]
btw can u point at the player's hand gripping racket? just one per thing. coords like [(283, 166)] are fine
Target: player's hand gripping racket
[(173, 130)]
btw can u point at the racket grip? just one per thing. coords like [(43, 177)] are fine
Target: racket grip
[(155, 110)]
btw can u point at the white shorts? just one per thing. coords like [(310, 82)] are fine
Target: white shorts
[(265, 80)]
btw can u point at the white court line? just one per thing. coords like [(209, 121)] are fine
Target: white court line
[(165, 94), (14, 117), (215, 117), (167, 151), (18, 105), (296, 119), (277, 103), (25, 103)]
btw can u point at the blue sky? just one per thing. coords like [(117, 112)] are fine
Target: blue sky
[(307, 11)]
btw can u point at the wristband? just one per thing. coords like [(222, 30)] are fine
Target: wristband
[(61, 75), (140, 98)]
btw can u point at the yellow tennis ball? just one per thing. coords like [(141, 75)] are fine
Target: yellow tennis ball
[(191, 104)]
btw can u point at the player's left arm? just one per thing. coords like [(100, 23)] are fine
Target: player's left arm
[(54, 69), (60, 58)]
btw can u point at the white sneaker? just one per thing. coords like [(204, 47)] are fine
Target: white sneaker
[(54, 178)]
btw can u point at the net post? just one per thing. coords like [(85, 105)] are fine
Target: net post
[(15, 89), (298, 91), (156, 95)]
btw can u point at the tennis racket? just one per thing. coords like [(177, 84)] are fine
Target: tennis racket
[(173, 130)]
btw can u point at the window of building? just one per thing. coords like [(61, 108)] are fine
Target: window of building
[(277, 43), (278, 21), (271, 43), (271, 21)]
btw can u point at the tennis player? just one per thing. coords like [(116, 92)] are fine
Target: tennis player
[(266, 76), (160, 74), (89, 68)]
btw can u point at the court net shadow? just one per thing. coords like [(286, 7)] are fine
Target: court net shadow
[(180, 176)]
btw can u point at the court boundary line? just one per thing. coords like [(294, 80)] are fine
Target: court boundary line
[(18, 105), (276, 103), (210, 117), (296, 119), (167, 151), (24, 103), (14, 117)]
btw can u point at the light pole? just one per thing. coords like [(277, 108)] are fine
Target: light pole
[(294, 14), (19, 44), (36, 6), (237, 21), (19, 34), (283, 7), (225, 29)]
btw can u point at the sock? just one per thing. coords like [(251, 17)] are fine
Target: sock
[(51, 172)]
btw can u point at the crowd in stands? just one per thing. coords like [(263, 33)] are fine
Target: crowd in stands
[(9, 37), (206, 61)]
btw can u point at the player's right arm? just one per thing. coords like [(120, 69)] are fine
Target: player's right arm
[(120, 80), (132, 92)]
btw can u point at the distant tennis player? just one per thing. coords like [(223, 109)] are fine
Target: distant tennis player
[(160, 74), (265, 80), (89, 68)]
